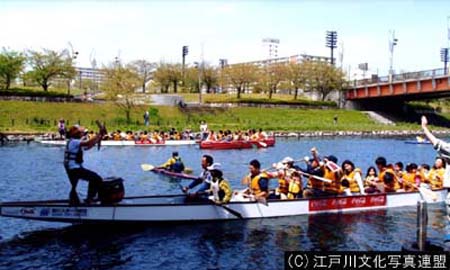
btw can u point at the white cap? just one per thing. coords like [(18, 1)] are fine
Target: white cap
[(287, 160), (214, 166)]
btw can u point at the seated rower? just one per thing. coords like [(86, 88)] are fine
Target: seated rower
[(314, 186), (436, 175), (371, 183), (351, 182), (220, 188), (284, 172), (387, 176), (257, 181), (174, 164), (333, 172), (412, 178)]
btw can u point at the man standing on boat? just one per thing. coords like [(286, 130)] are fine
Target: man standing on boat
[(73, 163), (205, 177), (443, 149)]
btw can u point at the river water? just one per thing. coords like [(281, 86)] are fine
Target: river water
[(35, 172)]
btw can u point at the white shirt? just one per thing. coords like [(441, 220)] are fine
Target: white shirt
[(74, 147)]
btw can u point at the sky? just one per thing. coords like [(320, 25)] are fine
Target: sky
[(156, 30)]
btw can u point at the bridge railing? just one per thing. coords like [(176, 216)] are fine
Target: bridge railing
[(401, 77)]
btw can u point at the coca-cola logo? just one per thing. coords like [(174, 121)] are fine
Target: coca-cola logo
[(358, 201), (377, 200)]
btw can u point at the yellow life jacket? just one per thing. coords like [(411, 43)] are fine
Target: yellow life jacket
[(353, 184), (409, 180), (254, 183), (335, 176), (294, 188), (283, 186), (392, 186), (436, 178)]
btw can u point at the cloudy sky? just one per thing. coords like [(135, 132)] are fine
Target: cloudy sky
[(156, 30)]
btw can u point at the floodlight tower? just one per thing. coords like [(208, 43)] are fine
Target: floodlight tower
[(331, 42)]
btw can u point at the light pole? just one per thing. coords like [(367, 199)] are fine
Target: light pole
[(331, 42), (444, 58), (184, 52), (392, 42)]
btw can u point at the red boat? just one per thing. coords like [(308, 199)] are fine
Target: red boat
[(223, 145)]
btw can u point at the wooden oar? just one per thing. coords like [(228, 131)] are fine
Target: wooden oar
[(315, 177), (150, 167), (231, 211), (424, 192), (101, 132), (147, 167)]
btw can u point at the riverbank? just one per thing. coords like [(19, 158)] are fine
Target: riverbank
[(36, 136)]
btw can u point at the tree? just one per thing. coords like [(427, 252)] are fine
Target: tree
[(11, 65), (297, 76), (143, 68), (48, 65), (271, 76), (210, 78), (161, 76), (119, 85), (167, 74), (239, 75), (191, 79), (323, 78)]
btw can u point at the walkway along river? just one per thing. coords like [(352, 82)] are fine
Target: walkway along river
[(35, 172)]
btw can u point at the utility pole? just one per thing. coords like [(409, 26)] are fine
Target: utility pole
[(184, 52), (331, 42)]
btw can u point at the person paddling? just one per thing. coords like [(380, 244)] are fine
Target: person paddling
[(73, 163), (220, 188), (174, 164), (257, 181), (205, 177)]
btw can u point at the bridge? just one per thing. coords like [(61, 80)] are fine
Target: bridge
[(421, 85)]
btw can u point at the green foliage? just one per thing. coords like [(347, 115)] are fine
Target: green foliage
[(11, 65), (303, 102), (120, 85), (49, 65), (21, 92)]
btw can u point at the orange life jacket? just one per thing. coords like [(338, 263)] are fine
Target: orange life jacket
[(254, 183), (353, 184), (391, 186)]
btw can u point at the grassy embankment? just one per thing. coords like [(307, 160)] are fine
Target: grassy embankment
[(18, 116)]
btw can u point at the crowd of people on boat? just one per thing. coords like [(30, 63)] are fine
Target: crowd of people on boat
[(159, 136), (321, 176)]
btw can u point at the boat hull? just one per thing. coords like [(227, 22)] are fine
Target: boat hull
[(225, 145), (173, 208), (129, 143)]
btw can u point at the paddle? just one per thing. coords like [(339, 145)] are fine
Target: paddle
[(262, 144), (102, 131), (147, 167), (316, 177), (150, 167), (231, 211), (424, 192)]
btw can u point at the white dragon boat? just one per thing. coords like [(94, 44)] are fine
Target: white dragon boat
[(174, 208), (128, 143)]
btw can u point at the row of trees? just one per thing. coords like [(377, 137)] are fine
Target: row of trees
[(308, 76)]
